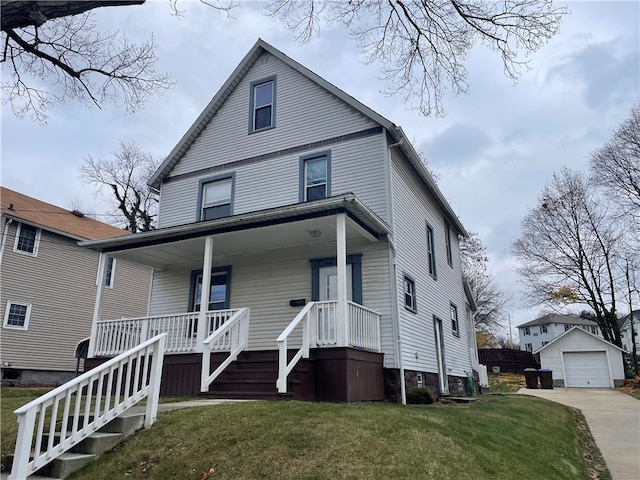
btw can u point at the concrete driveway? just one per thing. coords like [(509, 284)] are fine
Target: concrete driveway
[(614, 421)]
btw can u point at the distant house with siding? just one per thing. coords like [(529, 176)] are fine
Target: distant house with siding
[(539, 332), (317, 224), (49, 287)]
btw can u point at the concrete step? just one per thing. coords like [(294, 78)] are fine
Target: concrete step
[(66, 464)]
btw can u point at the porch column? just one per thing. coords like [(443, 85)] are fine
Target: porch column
[(102, 273), (204, 295), (342, 311)]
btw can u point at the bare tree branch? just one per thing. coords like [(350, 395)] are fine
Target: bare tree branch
[(125, 177), (422, 45)]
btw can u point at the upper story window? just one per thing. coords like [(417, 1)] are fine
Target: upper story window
[(16, 315), (567, 326), (111, 272), (431, 252), (315, 176), (527, 331), (447, 239), (27, 239), (543, 329), (215, 198), (455, 325), (528, 347), (263, 105), (410, 301)]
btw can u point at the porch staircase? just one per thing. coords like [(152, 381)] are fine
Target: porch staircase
[(253, 377), (87, 450)]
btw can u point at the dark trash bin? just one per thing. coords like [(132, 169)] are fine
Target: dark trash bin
[(546, 378), (531, 377)]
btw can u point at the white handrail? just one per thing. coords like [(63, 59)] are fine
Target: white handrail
[(305, 316), (125, 380), (232, 335), (364, 327)]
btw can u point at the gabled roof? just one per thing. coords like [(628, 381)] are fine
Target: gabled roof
[(583, 332), (236, 77), (558, 318), (28, 210), (622, 321)]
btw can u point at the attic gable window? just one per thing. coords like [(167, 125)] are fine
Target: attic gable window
[(263, 105), (215, 197), (27, 240)]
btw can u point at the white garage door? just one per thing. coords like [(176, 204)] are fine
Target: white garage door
[(586, 369)]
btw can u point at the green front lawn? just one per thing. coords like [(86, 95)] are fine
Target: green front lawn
[(498, 437)]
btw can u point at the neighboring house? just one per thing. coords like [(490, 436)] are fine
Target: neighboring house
[(539, 332), (579, 358), (48, 287), (626, 333), (303, 204)]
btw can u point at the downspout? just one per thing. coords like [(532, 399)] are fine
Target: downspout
[(7, 222), (393, 280)]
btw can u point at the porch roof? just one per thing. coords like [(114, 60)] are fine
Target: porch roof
[(295, 224)]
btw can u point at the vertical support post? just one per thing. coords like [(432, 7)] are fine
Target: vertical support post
[(155, 378), (342, 313), (281, 383), (102, 273), (26, 425), (204, 295)]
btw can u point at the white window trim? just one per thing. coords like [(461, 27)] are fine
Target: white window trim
[(113, 271), (454, 308), (36, 242), (26, 318)]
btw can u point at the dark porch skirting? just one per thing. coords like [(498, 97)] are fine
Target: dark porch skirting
[(335, 375)]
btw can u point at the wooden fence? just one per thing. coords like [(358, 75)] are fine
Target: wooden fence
[(509, 360)]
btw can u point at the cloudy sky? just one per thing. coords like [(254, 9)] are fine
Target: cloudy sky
[(493, 152)]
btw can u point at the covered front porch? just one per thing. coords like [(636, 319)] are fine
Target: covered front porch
[(293, 283)]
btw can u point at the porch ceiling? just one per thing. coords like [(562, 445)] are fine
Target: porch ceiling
[(285, 227)]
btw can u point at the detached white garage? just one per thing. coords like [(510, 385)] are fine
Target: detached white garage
[(581, 359)]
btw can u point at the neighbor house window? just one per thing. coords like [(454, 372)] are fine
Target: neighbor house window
[(594, 330), (27, 239), (110, 273), (528, 347), (567, 326), (527, 331), (447, 239), (431, 252), (410, 302), (543, 329), (544, 343), (455, 326), (315, 176), (216, 197), (263, 105), (16, 315)]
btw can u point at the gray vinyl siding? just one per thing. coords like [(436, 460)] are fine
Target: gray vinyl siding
[(413, 209), (60, 285), (266, 283), (357, 166), (305, 113)]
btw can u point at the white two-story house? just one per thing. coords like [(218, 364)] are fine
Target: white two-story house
[(323, 237), (537, 333)]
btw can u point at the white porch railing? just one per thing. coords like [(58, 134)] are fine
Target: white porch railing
[(306, 316), (319, 328), (116, 336), (364, 325), (84, 405), (232, 335)]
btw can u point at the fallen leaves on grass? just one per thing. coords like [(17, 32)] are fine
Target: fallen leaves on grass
[(209, 473)]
